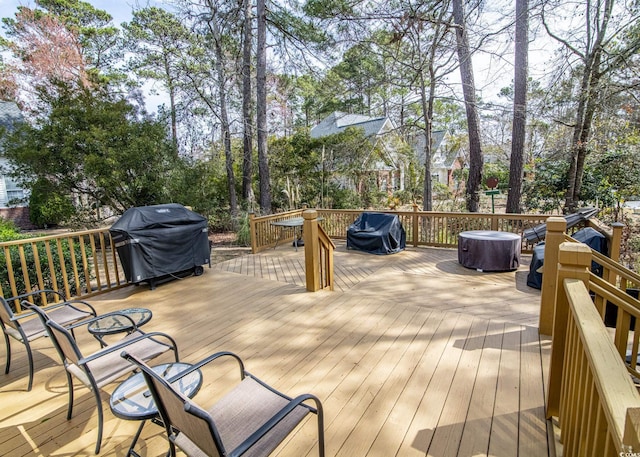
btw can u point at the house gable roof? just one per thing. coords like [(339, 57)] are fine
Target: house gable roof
[(337, 122)]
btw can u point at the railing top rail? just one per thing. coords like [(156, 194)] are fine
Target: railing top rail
[(325, 238), (53, 237), (411, 212)]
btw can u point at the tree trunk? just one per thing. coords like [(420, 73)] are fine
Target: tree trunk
[(586, 109), (172, 107), (247, 107), (226, 131), (519, 107), (427, 192), (473, 123), (261, 102)]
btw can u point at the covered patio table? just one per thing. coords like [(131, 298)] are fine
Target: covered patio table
[(489, 250)]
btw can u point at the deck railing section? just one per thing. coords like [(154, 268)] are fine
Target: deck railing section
[(423, 228), (590, 385), (318, 253), (265, 235), (78, 264)]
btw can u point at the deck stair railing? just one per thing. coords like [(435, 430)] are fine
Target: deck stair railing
[(590, 388), (318, 254), (78, 264), (593, 367)]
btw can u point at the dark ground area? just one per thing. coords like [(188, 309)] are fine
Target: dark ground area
[(224, 247)]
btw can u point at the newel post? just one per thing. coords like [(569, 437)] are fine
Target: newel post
[(252, 228), (311, 249), (574, 261), (614, 249), (554, 237), (616, 240)]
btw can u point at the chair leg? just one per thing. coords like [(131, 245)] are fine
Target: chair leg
[(70, 384), (8, 346), (320, 417), (96, 392), (30, 357), (320, 436)]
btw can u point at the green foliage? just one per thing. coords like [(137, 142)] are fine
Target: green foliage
[(545, 192), (96, 145), (341, 198), (296, 175), (200, 185), (48, 206), (8, 232), (244, 231)]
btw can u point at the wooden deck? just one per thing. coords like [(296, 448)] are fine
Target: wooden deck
[(412, 354)]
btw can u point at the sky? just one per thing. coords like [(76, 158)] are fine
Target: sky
[(119, 9), (491, 72)]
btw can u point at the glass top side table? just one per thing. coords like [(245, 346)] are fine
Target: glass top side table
[(123, 321), (132, 400)]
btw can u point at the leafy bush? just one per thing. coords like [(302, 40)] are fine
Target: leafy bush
[(244, 232), (48, 206), (7, 233)]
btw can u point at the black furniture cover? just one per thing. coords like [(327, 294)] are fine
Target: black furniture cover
[(589, 236), (376, 233), (539, 232), (160, 241)]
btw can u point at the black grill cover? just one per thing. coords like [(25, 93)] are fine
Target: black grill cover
[(160, 240), (589, 236), (376, 233)]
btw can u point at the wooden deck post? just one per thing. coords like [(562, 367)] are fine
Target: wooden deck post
[(574, 261), (252, 228), (554, 237), (311, 249), (616, 240), (415, 225)]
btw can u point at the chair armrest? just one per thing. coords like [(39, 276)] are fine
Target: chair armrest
[(275, 420), (71, 303), (206, 360), (123, 344)]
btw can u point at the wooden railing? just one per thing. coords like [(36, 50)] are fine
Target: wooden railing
[(318, 254), (78, 264), (423, 228), (590, 386)]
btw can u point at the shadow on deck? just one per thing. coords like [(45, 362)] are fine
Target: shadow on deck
[(411, 355)]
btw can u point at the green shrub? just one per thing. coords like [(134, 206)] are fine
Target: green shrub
[(31, 268), (244, 232), (48, 206)]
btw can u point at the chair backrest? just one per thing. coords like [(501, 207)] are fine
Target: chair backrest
[(196, 424), (6, 313), (62, 338)]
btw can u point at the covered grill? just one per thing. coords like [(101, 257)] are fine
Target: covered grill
[(158, 242)]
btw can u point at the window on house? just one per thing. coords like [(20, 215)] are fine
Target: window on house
[(14, 191)]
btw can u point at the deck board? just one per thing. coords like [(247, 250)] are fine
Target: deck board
[(412, 354)]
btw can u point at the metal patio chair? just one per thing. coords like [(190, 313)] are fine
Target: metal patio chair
[(251, 420), (100, 368), (26, 327)]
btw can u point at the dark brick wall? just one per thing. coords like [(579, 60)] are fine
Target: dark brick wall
[(19, 215)]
